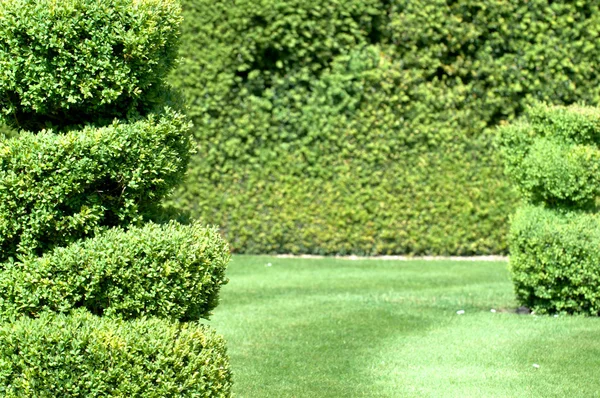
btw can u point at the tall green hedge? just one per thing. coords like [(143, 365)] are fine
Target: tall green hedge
[(100, 293), (366, 126)]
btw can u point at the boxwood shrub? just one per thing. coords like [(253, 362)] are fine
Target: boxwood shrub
[(96, 299), (78, 61), (552, 155), (169, 271), (57, 188), (554, 260), (366, 126), (81, 355)]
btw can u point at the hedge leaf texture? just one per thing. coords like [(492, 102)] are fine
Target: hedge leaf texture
[(100, 287), (553, 157), (82, 355), (367, 126)]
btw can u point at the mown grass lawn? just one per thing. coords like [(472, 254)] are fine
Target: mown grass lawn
[(373, 328)]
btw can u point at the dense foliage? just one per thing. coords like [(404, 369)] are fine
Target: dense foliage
[(74, 61), (366, 126), (82, 355), (554, 260), (100, 293), (57, 188), (553, 156), (172, 272)]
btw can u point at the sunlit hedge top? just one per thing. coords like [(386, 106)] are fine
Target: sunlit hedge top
[(73, 61)]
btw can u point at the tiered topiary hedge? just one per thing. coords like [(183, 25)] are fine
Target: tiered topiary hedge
[(366, 126), (100, 294), (553, 157)]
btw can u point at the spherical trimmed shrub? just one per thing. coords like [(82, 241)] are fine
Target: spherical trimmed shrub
[(553, 156), (57, 188), (78, 61), (170, 271)]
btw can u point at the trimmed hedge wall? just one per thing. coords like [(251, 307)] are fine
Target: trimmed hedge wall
[(100, 292), (366, 126), (553, 156), (82, 355)]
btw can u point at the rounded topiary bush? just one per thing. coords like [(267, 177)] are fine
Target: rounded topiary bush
[(57, 188), (554, 260), (553, 157), (76, 61), (171, 271), (110, 287), (81, 355)]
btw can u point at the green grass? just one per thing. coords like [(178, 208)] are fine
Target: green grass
[(339, 328)]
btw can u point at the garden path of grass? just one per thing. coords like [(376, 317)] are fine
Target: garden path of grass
[(369, 328)]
